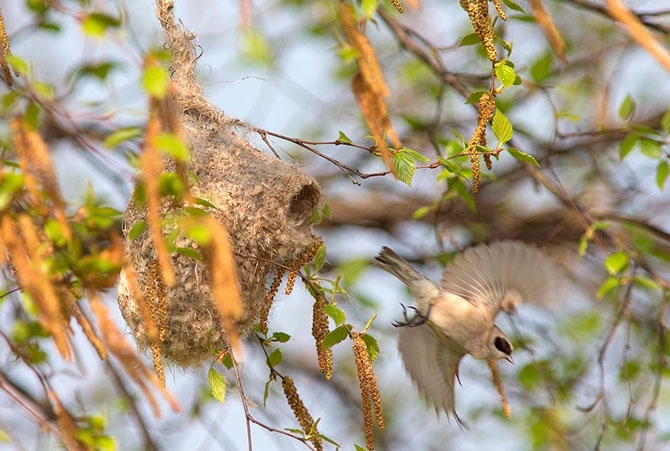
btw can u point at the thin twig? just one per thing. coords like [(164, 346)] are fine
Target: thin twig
[(250, 418)]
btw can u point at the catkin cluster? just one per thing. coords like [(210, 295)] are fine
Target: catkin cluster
[(301, 413), (478, 10), (319, 332), (370, 398), (486, 108), (306, 256)]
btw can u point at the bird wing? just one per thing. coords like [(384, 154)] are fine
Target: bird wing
[(502, 274), (433, 366)]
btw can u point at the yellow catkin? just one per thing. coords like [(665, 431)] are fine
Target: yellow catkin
[(290, 282), (301, 413), (499, 9), (501, 390), (26, 248), (487, 160), (152, 166), (269, 299), (157, 360), (125, 354), (90, 333), (319, 332), (478, 10), (157, 296), (4, 51), (398, 6), (306, 256), (369, 393), (486, 108)]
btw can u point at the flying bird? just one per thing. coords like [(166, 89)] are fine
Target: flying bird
[(457, 317)]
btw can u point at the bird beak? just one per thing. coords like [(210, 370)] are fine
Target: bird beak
[(509, 359)]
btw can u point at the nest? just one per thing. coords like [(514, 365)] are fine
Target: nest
[(264, 203)]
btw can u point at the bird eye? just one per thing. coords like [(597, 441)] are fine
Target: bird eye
[(502, 345)]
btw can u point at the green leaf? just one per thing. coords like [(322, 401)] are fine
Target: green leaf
[(44, 89), (627, 108), (217, 385), (155, 81), (616, 262), (405, 166), (421, 212), (227, 360), (122, 135), (506, 74), (341, 137), (450, 166), (337, 314), (20, 67), (137, 230), (320, 258), (651, 148), (474, 97), (369, 8), (359, 448), (32, 117), (54, 232), (281, 337), (469, 39), (189, 252), (204, 202), (198, 233), (662, 172), (275, 358), (11, 184), (523, 156), (170, 183), (610, 284), (647, 282), (100, 71), (513, 6), (416, 155), (542, 68), (502, 127), (335, 336), (174, 146), (627, 144), (257, 49), (665, 122), (530, 376), (645, 130), (96, 24), (372, 345)]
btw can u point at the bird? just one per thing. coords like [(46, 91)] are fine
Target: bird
[(457, 317)]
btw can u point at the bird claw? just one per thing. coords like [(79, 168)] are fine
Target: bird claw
[(416, 320)]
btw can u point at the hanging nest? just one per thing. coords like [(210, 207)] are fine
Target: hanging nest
[(264, 204)]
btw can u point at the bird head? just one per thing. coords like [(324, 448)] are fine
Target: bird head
[(499, 346)]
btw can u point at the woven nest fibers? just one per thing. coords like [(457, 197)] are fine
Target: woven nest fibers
[(265, 205)]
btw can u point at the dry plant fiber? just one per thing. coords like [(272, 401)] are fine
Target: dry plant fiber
[(264, 203)]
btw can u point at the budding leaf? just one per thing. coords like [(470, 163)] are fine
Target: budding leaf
[(217, 385), (502, 127)]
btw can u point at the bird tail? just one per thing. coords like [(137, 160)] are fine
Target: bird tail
[(421, 287), (504, 273)]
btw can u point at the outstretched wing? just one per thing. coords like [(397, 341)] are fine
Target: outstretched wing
[(502, 274), (433, 366)]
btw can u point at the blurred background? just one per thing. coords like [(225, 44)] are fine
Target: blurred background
[(590, 373)]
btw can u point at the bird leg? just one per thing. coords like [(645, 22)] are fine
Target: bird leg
[(416, 320)]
